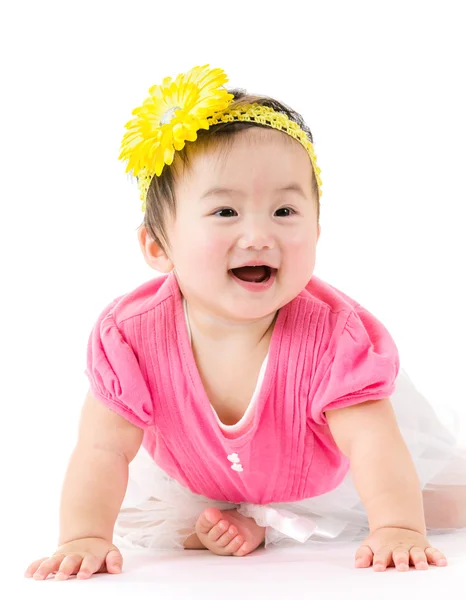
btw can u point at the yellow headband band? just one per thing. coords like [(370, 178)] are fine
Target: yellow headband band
[(176, 110)]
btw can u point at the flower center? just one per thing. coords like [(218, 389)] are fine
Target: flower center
[(168, 115)]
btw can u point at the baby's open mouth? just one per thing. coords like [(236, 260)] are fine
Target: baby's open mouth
[(256, 274)]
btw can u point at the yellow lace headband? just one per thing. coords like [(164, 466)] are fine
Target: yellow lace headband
[(176, 110)]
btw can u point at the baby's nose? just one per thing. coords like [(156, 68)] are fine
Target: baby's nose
[(256, 237)]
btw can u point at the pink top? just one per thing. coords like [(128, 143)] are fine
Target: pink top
[(326, 352)]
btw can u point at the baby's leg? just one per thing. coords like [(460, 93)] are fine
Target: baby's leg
[(132, 519), (445, 496), (192, 542), (226, 533), (240, 536), (445, 506)]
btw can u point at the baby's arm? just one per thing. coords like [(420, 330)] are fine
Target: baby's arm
[(97, 475), (93, 491), (383, 471)]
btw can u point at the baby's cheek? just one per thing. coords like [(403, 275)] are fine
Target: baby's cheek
[(213, 247), (299, 246), (301, 250), (202, 261)]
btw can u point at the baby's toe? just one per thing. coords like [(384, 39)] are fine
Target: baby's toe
[(211, 523), (227, 537), (238, 546), (209, 519)]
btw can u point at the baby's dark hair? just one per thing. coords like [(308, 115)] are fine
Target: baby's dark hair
[(161, 200)]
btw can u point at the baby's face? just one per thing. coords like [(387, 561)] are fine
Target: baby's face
[(233, 209)]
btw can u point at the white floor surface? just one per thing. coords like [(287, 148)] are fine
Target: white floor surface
[(289, 573)]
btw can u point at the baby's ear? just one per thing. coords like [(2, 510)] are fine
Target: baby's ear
[(154, 254)]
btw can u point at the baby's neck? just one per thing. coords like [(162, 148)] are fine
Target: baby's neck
[(217, 331)]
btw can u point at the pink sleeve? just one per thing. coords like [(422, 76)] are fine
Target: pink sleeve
[(114, 373), (364, 366)]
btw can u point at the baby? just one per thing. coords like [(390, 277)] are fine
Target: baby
[(245, 378)]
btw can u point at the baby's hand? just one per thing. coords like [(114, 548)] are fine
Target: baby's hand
[(82, 557), (393, 546)]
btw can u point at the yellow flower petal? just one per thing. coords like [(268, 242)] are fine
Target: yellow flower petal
[(195, 95), (159, 166), (191, 135), (179, 145), (168, 155)]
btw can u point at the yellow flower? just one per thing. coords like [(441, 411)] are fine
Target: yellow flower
[(171, 116)]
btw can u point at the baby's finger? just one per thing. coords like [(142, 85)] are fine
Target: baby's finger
[(90, 565), (418, 557), (114, 561), (34, 566), (382, 558), (69, 566), (50, 565), (363, 557), (435, 557), (401, 559)]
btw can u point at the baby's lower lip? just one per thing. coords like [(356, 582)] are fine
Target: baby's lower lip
[(255, 287)]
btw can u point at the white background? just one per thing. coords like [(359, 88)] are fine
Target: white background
[(381, 85)]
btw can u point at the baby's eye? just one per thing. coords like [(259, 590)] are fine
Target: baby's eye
[(288, 212), (227, 212)]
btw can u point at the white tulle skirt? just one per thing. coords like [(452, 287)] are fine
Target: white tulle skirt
[(158, 512)]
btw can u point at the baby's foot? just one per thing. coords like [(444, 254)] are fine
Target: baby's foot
[(228, 533)]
